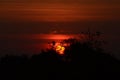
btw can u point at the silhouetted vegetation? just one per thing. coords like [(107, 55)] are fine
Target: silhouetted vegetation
[(81, 60)]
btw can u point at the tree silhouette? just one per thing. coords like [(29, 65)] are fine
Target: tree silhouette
[(80, 57)]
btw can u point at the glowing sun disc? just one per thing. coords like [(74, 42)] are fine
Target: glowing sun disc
[(60, 49)]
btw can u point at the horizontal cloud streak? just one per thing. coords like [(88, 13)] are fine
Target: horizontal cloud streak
[(56, 12)]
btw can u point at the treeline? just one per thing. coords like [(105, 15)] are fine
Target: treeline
[(84, 59)]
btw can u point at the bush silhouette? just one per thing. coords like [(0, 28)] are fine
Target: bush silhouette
[(84, 57)]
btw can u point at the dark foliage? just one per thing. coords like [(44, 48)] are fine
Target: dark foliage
[(82, 60)]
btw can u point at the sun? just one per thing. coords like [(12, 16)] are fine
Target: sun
[(60, 49)]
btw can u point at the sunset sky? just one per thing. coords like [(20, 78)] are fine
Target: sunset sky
[(60, 16)]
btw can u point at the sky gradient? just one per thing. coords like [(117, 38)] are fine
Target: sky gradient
[(28, 17)]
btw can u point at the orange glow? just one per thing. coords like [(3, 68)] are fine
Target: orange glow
[(60, 49)]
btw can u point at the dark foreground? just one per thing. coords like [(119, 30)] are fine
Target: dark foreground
[(50, 66), (80, 61)]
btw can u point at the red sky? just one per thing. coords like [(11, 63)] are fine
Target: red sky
[(69, 16), (56, 11), (60, 16), (29, 16)]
